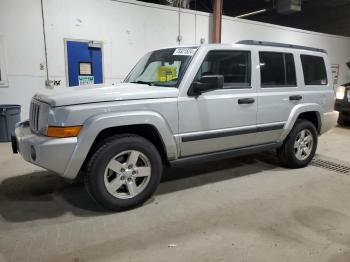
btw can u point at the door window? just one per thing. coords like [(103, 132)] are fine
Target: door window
[(235, 66), (277, 69), (314, 70)]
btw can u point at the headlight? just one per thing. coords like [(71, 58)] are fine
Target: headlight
[(340, 92)]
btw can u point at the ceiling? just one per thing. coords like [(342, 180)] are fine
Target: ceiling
[(326, 16)]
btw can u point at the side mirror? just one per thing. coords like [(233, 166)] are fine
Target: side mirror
[(207, 83)]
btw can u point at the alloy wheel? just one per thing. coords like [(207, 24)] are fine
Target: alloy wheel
[(303, 144), (127, 174)]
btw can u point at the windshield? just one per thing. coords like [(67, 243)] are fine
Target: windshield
[(162, 67)]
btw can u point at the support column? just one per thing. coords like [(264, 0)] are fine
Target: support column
[(217, 18)]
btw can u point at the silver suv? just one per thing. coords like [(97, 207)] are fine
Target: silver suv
[(180, 105)]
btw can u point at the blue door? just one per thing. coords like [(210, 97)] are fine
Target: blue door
[(84, 63)]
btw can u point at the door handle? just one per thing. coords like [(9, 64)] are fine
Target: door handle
[(246, 100), (295, 98)]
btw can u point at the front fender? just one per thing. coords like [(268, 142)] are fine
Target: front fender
[(95, 124), (296, 111)]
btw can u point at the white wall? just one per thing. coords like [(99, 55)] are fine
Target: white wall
[(127, 29), (20, 29)]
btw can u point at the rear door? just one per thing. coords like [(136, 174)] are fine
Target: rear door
[(278, 92)]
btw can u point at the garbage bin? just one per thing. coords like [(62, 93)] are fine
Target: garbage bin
[(9, 116)]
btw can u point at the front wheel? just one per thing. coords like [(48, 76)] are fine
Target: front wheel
[(124, 172), (341, 120), (300, 145)]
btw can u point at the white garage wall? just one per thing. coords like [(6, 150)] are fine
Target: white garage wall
[(20, 29), (127, 29)]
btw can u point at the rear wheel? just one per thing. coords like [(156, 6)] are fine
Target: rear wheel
[(300, 146), (124, 172)]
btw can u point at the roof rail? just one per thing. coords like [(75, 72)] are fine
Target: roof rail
[(263, 43)]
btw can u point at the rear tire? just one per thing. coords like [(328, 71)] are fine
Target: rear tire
[(299, 147), (124, 172)]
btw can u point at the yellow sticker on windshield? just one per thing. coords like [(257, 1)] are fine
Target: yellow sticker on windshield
[(166, 73)]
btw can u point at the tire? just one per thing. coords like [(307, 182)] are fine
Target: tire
[(341, 119), (112, 189), (289, 155)]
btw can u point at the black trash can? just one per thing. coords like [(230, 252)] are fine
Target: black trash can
[(9, 116)]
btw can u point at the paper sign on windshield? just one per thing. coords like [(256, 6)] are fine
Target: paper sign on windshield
[(185, 51)]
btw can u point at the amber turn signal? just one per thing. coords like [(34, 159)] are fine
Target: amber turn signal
[(66, 131)]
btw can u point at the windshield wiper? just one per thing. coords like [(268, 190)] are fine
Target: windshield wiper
[(142, 82)]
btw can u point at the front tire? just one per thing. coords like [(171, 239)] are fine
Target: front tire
[(124, 172), (341, 120), (299, 147)]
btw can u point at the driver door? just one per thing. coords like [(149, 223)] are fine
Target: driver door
[(224, 118)]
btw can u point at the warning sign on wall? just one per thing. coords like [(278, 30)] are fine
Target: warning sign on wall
[(335, 73), (86, 80)]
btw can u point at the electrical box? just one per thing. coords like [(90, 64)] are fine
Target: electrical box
[(288, 6)]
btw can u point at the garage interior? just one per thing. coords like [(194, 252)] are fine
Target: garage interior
[(247, 208)]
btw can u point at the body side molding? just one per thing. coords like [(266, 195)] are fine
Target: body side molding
[(239, 131), (225, 154)]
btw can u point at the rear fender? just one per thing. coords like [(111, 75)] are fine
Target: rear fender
[(295, 113)]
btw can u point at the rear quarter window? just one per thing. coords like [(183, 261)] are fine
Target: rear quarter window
[(314, 70), (277, 69)]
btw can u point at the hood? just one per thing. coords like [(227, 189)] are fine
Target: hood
[(103, 93)]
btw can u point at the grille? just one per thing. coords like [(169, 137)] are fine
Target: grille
[(332, 165), (34, 116)]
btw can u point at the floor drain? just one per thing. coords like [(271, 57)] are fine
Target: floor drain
[(331, 165)]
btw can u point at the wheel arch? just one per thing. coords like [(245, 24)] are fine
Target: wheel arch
[(148, 131), (311, 112), (312, 116), (148, 124)]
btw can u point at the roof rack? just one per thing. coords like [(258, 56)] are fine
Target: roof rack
[(263, 43)]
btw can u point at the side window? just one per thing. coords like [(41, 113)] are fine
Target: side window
[(277, 69), (235, 66), (314, 70)]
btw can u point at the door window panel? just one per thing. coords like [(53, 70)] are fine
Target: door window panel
[(290, 70), (277, 69), (314, 70), (235, 66)]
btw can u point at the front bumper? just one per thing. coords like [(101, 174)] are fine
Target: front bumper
[(50, 153)]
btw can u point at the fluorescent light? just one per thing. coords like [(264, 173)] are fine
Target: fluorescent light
[(252, 13)]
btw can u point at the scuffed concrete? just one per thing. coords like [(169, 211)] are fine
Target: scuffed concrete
[(243, 209)]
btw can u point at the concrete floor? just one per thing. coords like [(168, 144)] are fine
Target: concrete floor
[(244, 209)]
